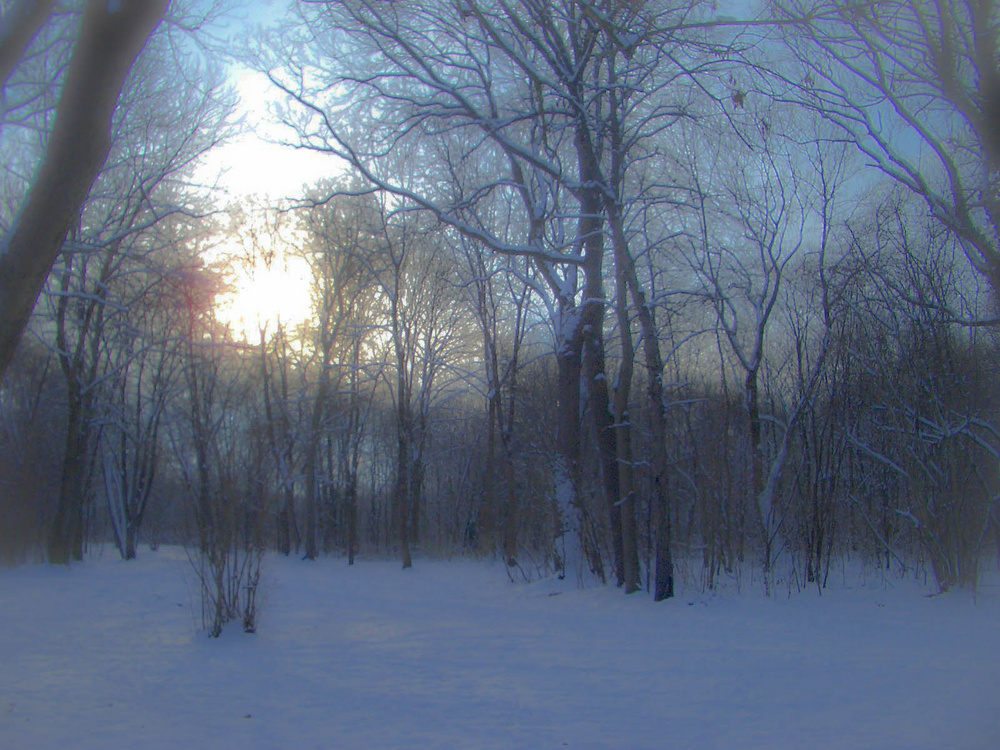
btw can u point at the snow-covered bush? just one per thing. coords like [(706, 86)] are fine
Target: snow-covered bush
[(228, 564), (229, 579)]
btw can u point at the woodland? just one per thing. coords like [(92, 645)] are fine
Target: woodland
[(596, 288)]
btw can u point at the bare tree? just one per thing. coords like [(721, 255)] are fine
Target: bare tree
[(915, 84), (282, 436), (110, 38), (524, 87), (741, 270), (141, 379), (214, 453), (446, 187), (760, 209), (928, 426), (159, 132), (423, 323), (341, 237), (499, 291)]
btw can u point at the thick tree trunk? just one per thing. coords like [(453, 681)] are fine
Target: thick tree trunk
[(416, 474), (566, 466), (664, 586), (110, 39), (487, 521), (604, 430), (22, 22), (592, 326), (65, 540), (591, 237)]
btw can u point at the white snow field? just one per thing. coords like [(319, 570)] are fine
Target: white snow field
[(107, 654)]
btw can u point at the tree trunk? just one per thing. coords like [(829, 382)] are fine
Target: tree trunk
[(664, 586), (131, 539), (416, 475), (592, 325), (204, 512), (566, 466), (311, 470), (23, 20), (623, 433), (109, 41), (402, 498), (283, 522), (752, 397), (604, 429), (351, 500), (65, 540), (487, 521), (354, 438), (510, 509)]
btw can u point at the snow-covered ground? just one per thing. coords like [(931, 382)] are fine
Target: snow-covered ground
[(452, 655)]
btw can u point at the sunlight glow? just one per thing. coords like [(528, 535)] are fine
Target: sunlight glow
[(255, 168), (266, 296), (259, 162)]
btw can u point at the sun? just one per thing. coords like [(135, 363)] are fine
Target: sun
[(266, 296)]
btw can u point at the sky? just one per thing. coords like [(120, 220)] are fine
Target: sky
[(255, 169), (255, 162)]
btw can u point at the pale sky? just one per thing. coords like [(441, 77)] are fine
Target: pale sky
[(254, 163)]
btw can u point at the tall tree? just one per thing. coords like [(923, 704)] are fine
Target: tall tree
[(499, 291), (159, 131), (340, 239), (141, 379), (110, 38), (522, 86)]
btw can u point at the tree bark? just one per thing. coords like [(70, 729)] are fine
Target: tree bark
[(604, 428), (65, 540), (592, 325), (109, 42), (26, 19), (510, 506), (623, 429), (311, 467), (568, 525), (486, 523), (402, 494), (664, 586)]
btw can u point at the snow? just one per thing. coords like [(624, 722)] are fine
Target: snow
[(453, 655)]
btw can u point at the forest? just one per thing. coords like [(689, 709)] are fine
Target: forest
[(610, 289)]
